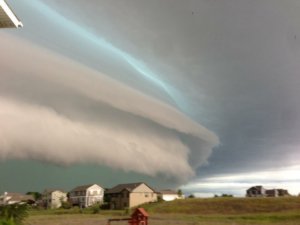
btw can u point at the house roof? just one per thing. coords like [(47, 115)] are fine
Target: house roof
[(140, 211), (50, 190), (129, 187), (168, 192), (17, 197), (259, 187), (83, 187), (7, 17)]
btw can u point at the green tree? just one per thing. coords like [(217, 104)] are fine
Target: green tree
[(36, 195), (191, 196), (179, 192)]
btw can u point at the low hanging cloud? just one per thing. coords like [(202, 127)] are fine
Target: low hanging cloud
[(56, 110)]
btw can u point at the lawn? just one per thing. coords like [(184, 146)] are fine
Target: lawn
[(216, 211)]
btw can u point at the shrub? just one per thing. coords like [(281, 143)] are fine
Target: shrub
[(7, 222), (14, 213), (66, 205), (96, 208), (127, 211)]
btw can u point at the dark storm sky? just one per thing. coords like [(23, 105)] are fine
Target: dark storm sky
[(202, 92)]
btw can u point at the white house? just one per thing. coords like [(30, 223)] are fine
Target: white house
[(169, 195), (86, 195), (53, 198), (7, 17)]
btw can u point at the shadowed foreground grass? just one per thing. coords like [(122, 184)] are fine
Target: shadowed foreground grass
[(217, 211)]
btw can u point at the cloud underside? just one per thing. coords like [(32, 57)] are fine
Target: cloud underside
[(55, 110)]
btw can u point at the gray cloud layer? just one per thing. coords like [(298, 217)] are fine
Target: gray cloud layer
[(56, 110)]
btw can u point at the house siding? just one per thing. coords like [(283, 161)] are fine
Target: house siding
[(128, 198), (142, 194), (88, 197), (169, 197), (54, 199)]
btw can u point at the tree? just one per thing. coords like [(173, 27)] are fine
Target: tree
[(191, 196), (35, 194), (227, 195), (179, 192)]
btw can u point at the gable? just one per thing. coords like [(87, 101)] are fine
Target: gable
[(142, 188), (94, 187)]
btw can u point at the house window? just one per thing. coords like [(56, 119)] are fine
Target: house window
[(146, 195)]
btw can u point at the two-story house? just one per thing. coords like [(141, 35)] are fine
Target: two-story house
[(86, 195), (256, 191), (130, 195), (53, 198)]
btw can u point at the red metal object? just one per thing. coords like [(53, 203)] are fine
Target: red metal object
[(138, 217)]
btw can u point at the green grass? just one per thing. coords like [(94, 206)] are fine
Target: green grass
[(75, 210), (225, 206), (215, 211)]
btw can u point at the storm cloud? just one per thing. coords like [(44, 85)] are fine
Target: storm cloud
[(151, 71), (56, 110)]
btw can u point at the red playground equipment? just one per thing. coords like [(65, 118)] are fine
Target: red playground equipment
[(138, 217)]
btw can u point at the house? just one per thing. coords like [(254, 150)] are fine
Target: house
[(272, 193), (283, 193), (277, 193), (9, 198), (259, 191), (86, 195), (7, 17), (53, 198), (130, 195), (169, 195), (256, 191)]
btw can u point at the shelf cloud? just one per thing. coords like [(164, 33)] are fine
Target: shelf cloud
[(56, 110)]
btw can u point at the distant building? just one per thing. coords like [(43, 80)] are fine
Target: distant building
[(53, 198), (86, 195), (256, 191), (9, 198), (7, 17), (130, 195), (169, 195), (259, 191)]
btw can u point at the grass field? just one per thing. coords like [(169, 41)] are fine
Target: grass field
[(216, 211)]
